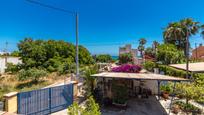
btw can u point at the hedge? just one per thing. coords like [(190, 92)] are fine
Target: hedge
[(149, 65)]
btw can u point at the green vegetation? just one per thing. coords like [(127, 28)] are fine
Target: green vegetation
[(90, 81), (31, 74), (50, 54), (12, 68), (90, 108), (187, 107), (169, 54), (40, 57), (166, 88), (104, 58), (150, 52), (189, 91), (9, 83), (141, 46), (149, 65), (120, 93), (176, 32), (15, 54), (126, 58), (44, 63)]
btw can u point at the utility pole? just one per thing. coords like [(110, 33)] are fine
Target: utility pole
[(77, 23), (6, 53), (187, 54), (77, 47), (196, 50)]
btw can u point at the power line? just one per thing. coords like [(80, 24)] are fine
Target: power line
[(51, 7), (66, 11)]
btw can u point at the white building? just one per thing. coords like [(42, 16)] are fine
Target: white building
[(14, 60)]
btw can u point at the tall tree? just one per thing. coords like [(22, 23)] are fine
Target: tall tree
[(177, 32), (141, 46)]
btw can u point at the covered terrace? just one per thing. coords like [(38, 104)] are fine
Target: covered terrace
[(138, 77)]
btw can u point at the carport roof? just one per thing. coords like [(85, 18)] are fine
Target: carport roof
[(193, 67), (138, 76)]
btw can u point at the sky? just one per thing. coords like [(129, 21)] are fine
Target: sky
[(104, 25)]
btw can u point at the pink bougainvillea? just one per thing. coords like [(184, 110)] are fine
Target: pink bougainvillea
[(128, 68)]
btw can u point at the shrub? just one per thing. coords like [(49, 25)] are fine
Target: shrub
[(91, 108), (149, 65), (187, 107), (172, 71), (168, 54), (126, 58), (31, 74), (189, 91), (127, 68), (119, 93), (12, 68), (90, 81), (166, 88), (104, 58), (199, 79), (65, 68)]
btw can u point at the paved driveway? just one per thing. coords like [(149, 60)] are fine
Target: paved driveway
[(148, 106)]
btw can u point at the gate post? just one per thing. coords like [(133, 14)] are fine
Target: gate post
[(11, 102), (50, 108)]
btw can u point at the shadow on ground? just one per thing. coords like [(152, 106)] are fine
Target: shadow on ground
[(150, 106)]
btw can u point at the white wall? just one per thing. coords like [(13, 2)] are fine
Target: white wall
[(14, 60)]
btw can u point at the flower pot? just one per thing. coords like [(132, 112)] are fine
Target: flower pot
[(165, 95), (176, 109), (120, 105)]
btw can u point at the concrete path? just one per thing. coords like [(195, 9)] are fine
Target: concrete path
[(62, 112)]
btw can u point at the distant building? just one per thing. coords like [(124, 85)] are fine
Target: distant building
[(3, 61), (128, 49), (198, 53)]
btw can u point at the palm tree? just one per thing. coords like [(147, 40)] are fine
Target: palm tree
[(178, 33), (142, 42), (174, 34)]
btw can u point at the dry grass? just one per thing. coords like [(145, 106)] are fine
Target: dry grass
[(9, 83)]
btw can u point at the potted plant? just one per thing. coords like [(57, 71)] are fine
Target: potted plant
[(120, 95), (165, 91), (175, 109)]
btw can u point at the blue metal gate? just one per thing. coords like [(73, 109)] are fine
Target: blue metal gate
[(45, 101)]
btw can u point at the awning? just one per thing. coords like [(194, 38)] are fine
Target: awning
[(139, 76), (193, 67)]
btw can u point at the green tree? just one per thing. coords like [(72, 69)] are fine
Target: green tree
[(169, 54), (90, 81), (150, 52), (104, 58), (52, 55), (126, 58), (15, 54), (141, 46), (177, 32)]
